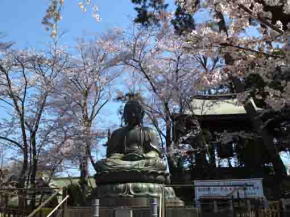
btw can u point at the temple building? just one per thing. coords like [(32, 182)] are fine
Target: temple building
[(217, 140)]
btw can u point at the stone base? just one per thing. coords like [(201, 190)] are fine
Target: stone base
[(124, 202), (137, 202), (135, 189), (135, 194), (174, 202)]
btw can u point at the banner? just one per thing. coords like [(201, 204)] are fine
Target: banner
[(229, 188)]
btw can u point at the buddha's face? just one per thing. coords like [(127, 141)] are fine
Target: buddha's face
[(134, 118), (133, 114)]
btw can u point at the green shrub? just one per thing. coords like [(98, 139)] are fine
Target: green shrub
[(76, 196)]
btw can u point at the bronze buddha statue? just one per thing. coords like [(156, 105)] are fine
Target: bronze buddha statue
[(137, 142), (133, 148), (134, 169)]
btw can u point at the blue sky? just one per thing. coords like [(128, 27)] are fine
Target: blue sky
[(20, 20)]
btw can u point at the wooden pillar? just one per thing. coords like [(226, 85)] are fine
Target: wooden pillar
[(215, 206), (231, 204), (249, 205)]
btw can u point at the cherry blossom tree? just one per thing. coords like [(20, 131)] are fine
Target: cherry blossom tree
[(27, 82), (247, 42), (170, 75), (149, 11), (84, 90), (252, 39), (246, 55), (53, 14)]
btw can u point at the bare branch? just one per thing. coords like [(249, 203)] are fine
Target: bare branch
[(12, 141)]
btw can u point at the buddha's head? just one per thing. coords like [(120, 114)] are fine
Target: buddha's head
[(133, 113)]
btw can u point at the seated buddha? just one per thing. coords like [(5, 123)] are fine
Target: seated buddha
[(133, 152)]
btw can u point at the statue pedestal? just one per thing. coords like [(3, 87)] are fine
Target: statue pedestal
[(134, 189), (124, 202), (135, 194), (123, 212), (137, 202), (134, 171)]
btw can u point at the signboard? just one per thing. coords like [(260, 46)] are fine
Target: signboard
[(229, 188)]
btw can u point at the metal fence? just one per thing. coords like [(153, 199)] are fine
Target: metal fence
[(176, 212), (136, 212)]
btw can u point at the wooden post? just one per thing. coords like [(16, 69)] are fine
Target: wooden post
[(248, 205), (64, 209), (64, 204), (283, 203), (215, 207), (231, 204)]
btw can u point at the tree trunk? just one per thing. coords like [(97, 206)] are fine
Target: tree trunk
[(22, 175), (266, 135), (33, 170), (212, 158), (172, 163), (84, 166), (168, 139), (22, 179), (268, 139), (84, 176)]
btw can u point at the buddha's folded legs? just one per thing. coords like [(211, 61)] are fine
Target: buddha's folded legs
[(115, 163)]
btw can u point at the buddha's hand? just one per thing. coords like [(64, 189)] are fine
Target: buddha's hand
[(151, 154), (116, 156), (133, 157)]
